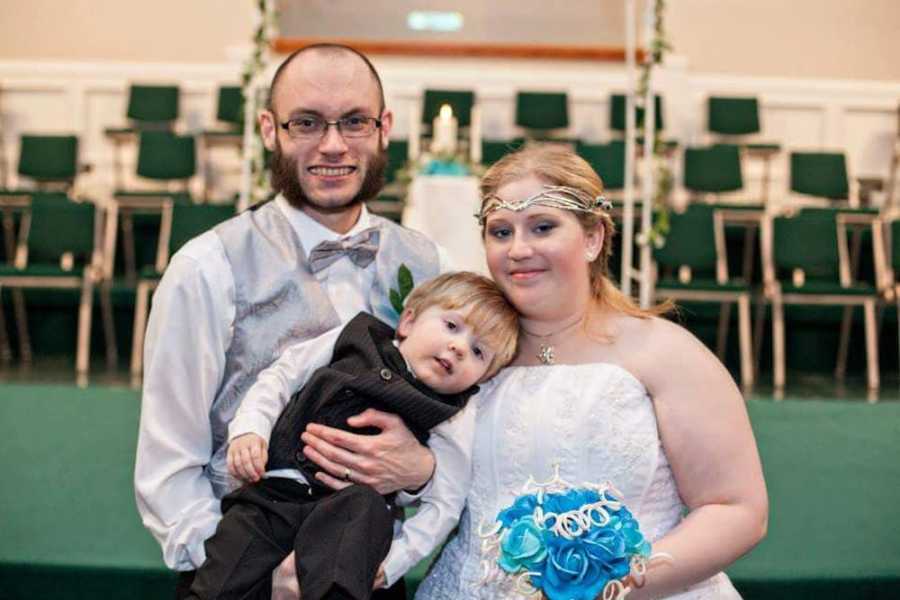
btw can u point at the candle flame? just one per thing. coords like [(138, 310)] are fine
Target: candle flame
[(446, 111)]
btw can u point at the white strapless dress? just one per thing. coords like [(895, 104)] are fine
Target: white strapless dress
[(597, 423)]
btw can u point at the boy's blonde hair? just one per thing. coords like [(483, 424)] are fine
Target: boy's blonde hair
[(490, 314)]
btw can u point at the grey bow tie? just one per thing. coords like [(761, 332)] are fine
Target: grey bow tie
[(360, 248)]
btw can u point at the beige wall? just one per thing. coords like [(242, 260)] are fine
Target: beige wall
[(835, 39), (191, 31)]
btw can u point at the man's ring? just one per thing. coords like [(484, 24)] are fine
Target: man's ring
[(346, 474)]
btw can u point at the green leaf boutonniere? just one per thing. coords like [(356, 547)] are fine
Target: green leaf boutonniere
[(405, 285)]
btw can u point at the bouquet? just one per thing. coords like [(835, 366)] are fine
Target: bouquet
[(567, 543)]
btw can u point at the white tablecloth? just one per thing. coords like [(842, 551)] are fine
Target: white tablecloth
[(442, 207)]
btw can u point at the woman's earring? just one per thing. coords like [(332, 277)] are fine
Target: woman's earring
[(589, 256)]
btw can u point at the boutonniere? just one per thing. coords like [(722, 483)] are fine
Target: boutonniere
[(405, 285)]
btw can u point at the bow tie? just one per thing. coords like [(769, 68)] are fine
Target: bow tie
[(360, 248)]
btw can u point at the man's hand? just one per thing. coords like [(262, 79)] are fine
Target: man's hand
[(379, 579), (247, 456), (390, 461)]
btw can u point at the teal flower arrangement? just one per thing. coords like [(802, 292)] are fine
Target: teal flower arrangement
[(567, 543)]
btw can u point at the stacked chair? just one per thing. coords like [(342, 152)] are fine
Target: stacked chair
[(178, 224), (228, 132), (543, 115), (617, 104)]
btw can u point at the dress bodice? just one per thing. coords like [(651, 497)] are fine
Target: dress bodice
[(597, 423)]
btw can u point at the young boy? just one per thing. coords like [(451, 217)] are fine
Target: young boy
[(456, 330)]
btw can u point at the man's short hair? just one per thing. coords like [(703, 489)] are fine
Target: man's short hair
[(491, 315), (327, 48)]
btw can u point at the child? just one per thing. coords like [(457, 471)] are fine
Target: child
[(456, 330)]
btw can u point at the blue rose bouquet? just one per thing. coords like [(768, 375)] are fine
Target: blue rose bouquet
[(568, 543)]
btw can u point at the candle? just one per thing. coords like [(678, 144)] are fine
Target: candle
[(475, 136), (444, 129), (414, 135)]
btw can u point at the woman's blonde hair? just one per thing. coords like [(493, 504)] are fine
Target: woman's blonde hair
[(555, 164), (490, 313)]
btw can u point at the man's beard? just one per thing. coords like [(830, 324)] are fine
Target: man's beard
[(285, 180)]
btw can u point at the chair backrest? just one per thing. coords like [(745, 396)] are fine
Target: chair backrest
[(60, 226), (733, 116), (461, 101), (230, 105), (494, 150), (398, 152), (49, 157), (190, 220), (691, 240), (713, 169), (608, 160), (807, 240), (822, 174), (542, 110), (617, 113), (153, 104), (163, 155), (895, 247)]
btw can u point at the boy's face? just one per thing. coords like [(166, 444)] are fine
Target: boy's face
[(444, 352)]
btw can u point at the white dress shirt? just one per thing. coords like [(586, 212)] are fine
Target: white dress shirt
[(451, 442), (188, 333)]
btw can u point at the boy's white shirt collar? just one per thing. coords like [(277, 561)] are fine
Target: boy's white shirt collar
[(409, 368), (310, 232)]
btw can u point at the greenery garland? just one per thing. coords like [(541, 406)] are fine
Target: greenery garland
[(663, 176), (254, 94)]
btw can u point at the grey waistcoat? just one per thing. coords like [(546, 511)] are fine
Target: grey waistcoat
[(278, 301)]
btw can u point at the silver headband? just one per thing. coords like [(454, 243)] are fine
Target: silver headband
[(554, 196)]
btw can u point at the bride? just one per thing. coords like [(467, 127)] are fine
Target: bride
[(604, 390)]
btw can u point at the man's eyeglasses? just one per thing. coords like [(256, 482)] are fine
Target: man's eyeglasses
[(355, 126)]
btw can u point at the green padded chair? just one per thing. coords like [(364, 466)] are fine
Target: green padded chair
[(398, 153), (820, 174), (713, 170), (230, 106), (494, 150), (229, 133), (617, 113), (694, 267), (461, 101), (608, 160), (806, 262), (168, 160), (59, 248), (539, 113), (179, 223)]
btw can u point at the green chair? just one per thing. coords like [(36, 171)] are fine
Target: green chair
[(617, 113), (608, 160), (713, 170), (230, 116), (820, 174), (806, 262), (169, 161), (179, 223), (230, 106), (59, 248), (539, 113), (694, 267), (398, 153), (494, 150), (892, 281), (461, 101)]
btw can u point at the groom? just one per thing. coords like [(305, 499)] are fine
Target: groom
[(283, 271)]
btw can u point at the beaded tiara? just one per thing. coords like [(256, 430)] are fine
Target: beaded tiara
[(554, 196)]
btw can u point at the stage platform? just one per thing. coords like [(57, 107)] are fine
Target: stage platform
[(70, 529)]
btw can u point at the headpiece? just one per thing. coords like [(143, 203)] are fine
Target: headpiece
[(554, 196)]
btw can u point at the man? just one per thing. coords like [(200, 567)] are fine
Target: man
[(227, 298)]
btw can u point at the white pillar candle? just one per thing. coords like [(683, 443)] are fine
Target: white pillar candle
[(475, 136), (444, 129)]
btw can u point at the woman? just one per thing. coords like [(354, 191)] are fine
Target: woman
[(604, 390)]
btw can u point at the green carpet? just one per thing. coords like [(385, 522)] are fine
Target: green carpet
[(70, 529)]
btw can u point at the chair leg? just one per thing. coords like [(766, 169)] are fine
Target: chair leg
[(128, 247), (840, 369), (5, 350), (778, 342), (83, 351), (745, 342), (871, 344), (22, 326), (758, 325), (109, 326), (142, 299), (722, 336)]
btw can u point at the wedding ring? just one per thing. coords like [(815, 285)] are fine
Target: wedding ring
[(346, 474)]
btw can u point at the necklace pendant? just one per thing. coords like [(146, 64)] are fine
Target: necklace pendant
[(546, 354)]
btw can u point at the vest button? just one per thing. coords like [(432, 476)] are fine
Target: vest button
[(386, 374)]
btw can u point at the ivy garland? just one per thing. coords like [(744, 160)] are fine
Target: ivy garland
[(254, 94), (663, 176)]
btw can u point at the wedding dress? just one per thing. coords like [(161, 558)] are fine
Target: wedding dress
[(597, 423)]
